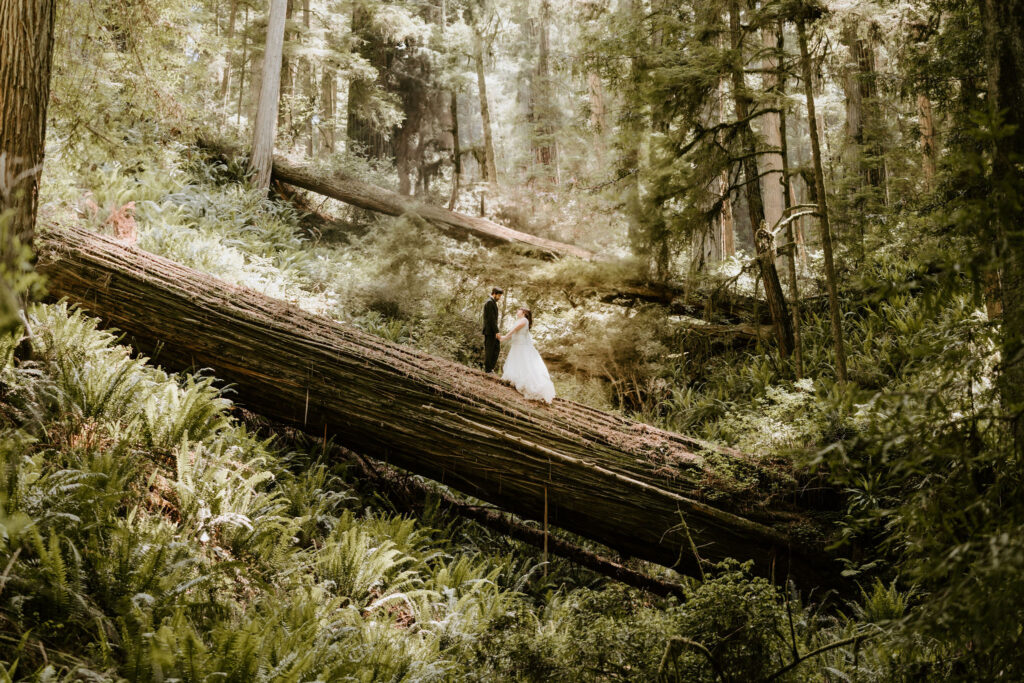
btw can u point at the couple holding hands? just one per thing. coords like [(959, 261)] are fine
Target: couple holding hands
[(524, 368)]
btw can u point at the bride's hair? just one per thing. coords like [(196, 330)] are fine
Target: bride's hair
[(528, 315)]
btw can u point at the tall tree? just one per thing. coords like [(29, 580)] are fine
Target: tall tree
[(490, 168), (1004, 50), (772, 180), (542, 103), (225, 83), (781, 320), (26, 55), (265, 128), (809, 12), (863, 113)]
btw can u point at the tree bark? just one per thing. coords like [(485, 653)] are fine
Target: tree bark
[(265, 129), (862, 109), (926, 124), (456, 150), (787, 196), (1004, 48), (241, 70), (310, 86), (822, 200), (598, 117), (639, 490), (772, 180), (373, 198), (728, 238), (752, 187), (490, 169), (543, 111), (328, 108), (225, 84), (26, 55)]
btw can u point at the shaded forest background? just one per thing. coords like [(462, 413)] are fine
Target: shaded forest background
[(806, 218)]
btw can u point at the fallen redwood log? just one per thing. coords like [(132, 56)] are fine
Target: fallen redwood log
[(366, 196), (644, 492), (721, 306)]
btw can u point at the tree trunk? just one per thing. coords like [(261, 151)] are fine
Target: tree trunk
[(265, 128), (287, 85), (310, 87), (772, 181), (862, 110), (755, 205), (598, 117), (543, 109), (926, 124), (26, 55), (225, 84), (456, 151), (637, 489), (490, 169), (1004, 46), (787, 194), (328, 108), (822, 200), (241, 75), (728, 238), (373, 198)]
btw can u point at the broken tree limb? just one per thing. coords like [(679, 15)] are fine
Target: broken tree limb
[(644, 492), (366, 196)]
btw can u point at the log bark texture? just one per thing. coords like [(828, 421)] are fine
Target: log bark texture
[(373, 198), (644, 492)]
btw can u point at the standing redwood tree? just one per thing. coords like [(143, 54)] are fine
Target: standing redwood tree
[(265, 128), (1004, 47), (490, 168), (755, 202), (26, 54), (804, 13)]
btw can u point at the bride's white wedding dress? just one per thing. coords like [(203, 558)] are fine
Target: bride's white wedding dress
[(524, 367)]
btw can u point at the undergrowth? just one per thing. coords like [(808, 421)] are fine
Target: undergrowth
[(147, 534)]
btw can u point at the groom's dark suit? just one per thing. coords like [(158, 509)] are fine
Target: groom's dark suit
[(491, 344)]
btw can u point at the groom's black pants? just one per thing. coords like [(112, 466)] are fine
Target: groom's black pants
[(491, 348)]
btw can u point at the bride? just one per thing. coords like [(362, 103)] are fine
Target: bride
[(524, 367)]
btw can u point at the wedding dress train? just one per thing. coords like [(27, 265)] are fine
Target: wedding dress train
[(524, 367)]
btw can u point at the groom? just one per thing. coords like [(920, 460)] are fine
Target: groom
[(491, 344)]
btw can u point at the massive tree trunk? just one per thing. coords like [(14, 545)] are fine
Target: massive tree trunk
[(1004, 43), (755, 203), (490, 168), (640, 490), (265, 128), (26, 54), (373, 198), (822, 201)]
